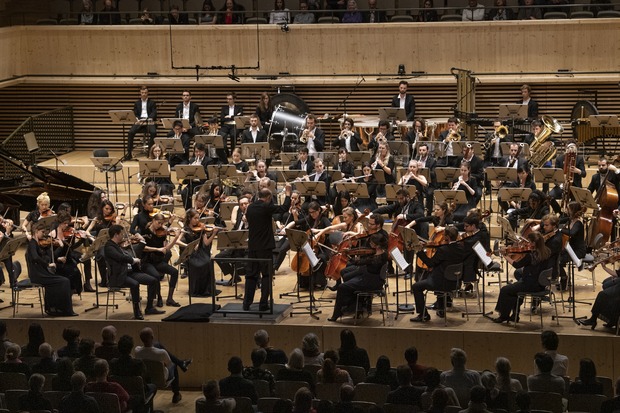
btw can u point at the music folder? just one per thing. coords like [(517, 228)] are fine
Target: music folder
[(171, 145), (168, 123), (154, 168)]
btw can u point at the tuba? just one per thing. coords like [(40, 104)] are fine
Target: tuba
[(543, 150)]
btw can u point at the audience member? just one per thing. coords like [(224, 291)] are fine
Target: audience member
[(127, 366), (34, 399), (330, 373), (46, 363), (405, 393), (459, 378), (109, 14), (550, 341), (87, 14), (256, 372), (235, 385), (303, 401), (545, 381), (476, 401), (352, 15), (612, 405), (501, 12), (586, 383), (274, 355), (383, 373), (349, 353), (323, 406), (345, 405), (428, 14), (439, 401), (432, 380), (62, 380), (523, 401), (102, 385), (283, 406), (36, 337), (374, 15), (176, 17), (494, 399), (504, 381), (208, 13), (529, 12), (77, 401), (213, 401), (155, 351), (304, 16), (4, 341), (280, 14), (312, 350), (72, 336), (411, 356), (107, 349), (475, 12), (86, 362), (294, 370), (12, 363)]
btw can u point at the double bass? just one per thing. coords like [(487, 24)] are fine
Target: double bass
[(601, 225)]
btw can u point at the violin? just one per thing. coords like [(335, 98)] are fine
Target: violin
[(46, 213), (45, 242), (163, 231), (204, 227), (111, 217)]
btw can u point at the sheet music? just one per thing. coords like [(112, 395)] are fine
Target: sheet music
[(481, 252), (398, 256), (572, 255), (307, 249)]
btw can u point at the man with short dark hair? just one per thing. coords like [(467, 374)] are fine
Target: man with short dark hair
[(477, 399), (314, 136), (404, 101), (77, 401), (102, 385), (405, 393), (254, 134), (417, 370), (86, 362), (550, 341), (145, 110), (190, 111), (235, 385), (259, 355), (177, 132), (460, 379), (228, 130), (127, 366), (545, 381), (303, 162)]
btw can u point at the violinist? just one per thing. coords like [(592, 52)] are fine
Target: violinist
[(349, 226), (200, 158), (66, 258), (294, 214), (214, 201), (367, 277), (94, 202), (534, 211), (106, 217), (199, 263), (553, 239), (42, 270), (341, 201), (124, 273), (536, 261), (349, 139), (607, 302), (156, 192), (142, 218), (412, 177), (312, 223), (156, 256), (13, 269), (43, 210), (575, 231), (239, 223), (453, 252), (468, 184)]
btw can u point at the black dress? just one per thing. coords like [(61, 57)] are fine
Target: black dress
[(199, 266), (57, 288)]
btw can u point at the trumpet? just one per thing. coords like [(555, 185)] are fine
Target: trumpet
[(500, 133), (453, 137), (306, 134), (457, 183), (380, 138), (345, 133)]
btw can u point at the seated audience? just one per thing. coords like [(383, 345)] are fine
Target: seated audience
[(36, 337), (405, 393), (34, 399), (612, 405), (439, 401), (127, 366), (504, 381), (418, 370), (304, 16), (46, 363), (550, 342), (495, 398), (294, 370), (345, 405), (62, 380), (256, 372), (107, 349), (476, 401), (383, 374), (12, 363), (475, 12), (432, 380), (349, 353), (77, 401), (330, 373), (236, 385), (545, 381), (586, 383), (102, 385), (303, 401), (212, 399), (86, 362), (274, 355), (72, 336), (312, 350), (460, 379), (280, 14), (530, 13)]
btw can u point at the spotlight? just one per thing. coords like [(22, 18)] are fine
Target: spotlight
[(401, 70)]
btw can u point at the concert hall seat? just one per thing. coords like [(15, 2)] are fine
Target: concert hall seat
[(108, 402), (555, 15), (372, 392), (544, 278), (328, 391), (582, 15), (24, 285), (608, 13), (328, 19), (451, 18), (590, 403), (256, 20), (402, 18)]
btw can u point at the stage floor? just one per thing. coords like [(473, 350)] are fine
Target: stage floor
[(211, 344)]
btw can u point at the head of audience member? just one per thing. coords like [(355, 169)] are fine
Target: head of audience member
[(296, 360), (383, 365), (544, 362), (303, 401), (101, 370), (488, 380), (278, 5), (324, 406), (477, 395), (330, 362), (458, 358), (235, 365), (36, 336), (259, 355), (404, 375), (78, 381), (45, 351), (351, 5), (549, 340), (347, 393), (432, 378), (347, 340), (108, 334), (12, 353), (502, 368), (207, 5), (147, 337), (428, 4), (411, 356), (86, 347), (71, 335), (125, 345), (87, 5), (587, 371), (372, 4), (439, 399), (65, 368), (261, 338), (108, 5), (310, 345), (283, 406)]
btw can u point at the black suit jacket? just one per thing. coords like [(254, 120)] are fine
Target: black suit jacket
[(409, 105), (477, 168), (234, 386), (117, 260), (297, 165), (224, 113), (521, 162), (319, 139), (355, 142), (532, 108), (380, 17), (579, 164), (261, 136), (259, 213), (151, 108), (595, 182), (193, 110)]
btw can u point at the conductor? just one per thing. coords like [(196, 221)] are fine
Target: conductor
[(261, 244)]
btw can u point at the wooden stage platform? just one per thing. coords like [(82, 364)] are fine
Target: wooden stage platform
[(211, 344)]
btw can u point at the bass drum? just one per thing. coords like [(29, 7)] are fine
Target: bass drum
[(583, 109), (282, 118)]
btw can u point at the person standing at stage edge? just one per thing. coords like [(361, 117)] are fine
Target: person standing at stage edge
[(261, 244)]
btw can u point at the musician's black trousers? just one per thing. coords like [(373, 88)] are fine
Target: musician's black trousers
[(150, 129), (256, 270), (134, 280)]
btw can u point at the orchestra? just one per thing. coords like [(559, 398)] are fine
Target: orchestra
[(351, 234)]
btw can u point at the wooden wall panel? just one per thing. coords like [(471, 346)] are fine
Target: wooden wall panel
[(10, 46), (536, 46)]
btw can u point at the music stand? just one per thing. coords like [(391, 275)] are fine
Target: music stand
[(391, 189), (243, 122), (447, 174), (402, 264), (288, 158), (226, 209), (105, 165), (184, 256), (358, 157), (213, 143), (311, 188), (222, 172), (123, 117), (47, 222), (457, 147), (449, 196), (584, 196), (259, 150), (514, 194), (392, 114), (171, 145), (8, 251), (400, 148), (289, 175), (509, 233), (513, 111), (235, 240), (190, 172), (548, 175), (335, 176), (358, 190), (328, 158), (298, 241), (168, 123), (379, 175), (102, 238), (524, 149), (500, 173), (152, 168)]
